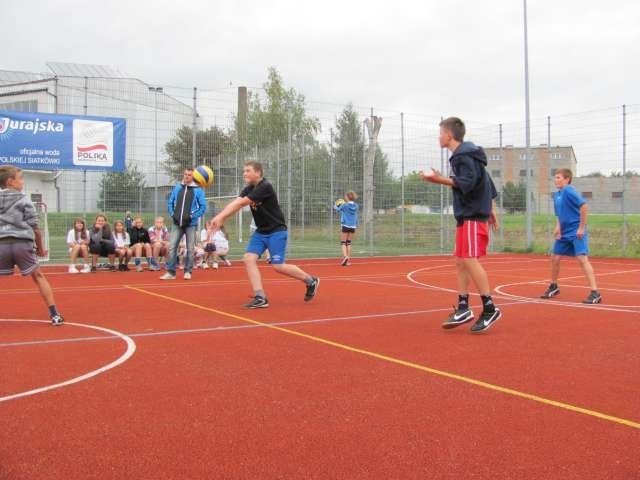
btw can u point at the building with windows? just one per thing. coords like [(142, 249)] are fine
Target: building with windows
[(507, 164), (603, 194)]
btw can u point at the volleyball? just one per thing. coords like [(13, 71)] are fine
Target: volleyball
[(203, 176), (339, 202)]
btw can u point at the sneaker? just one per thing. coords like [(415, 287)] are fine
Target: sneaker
[(551, 291), (344, 262), (594, 297), (485, 321), (268, 260), (187, 275), (138, 268), (57, 320), (168, 276), (205, 266), (258, 302), (215, 265), (86, 269), (73, 269), (312, 289), (154, 268), (93, 269), (458, 317), (112, 268), (227, 262), (125, 268)]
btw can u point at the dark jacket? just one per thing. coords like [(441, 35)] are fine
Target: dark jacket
[(473, 188), (139, 235)]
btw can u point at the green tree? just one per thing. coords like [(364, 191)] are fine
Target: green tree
[(119, 191), (268, 118), (419, 192), (514, 197), (214, 148), (348, 153)]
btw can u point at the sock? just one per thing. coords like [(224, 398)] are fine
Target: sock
[(463, 301), (52, 311), (260, 293), (487, 303), (553, 285), (150, 261), (137, 261)]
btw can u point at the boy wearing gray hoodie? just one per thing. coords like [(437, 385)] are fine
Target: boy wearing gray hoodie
[(19, 232)]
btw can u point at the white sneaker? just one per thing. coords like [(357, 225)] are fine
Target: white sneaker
[(215, 265), (86, 269), (205, 266), (73, 269), (187, 276), (168, 276), (227, 263)]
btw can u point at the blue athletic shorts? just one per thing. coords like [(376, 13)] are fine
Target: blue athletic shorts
[(275, 242), (572, 247)]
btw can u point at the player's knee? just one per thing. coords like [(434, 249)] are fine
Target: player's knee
[(249, 258), (343, 242), (278, 267), (348, 242)]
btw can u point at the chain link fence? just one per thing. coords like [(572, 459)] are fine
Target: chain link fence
[(314, 152)]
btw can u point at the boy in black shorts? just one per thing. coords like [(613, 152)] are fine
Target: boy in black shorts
[(19, 232)]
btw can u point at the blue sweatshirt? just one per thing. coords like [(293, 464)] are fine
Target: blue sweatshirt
[(186, 204), (473, 188), (348, 214)]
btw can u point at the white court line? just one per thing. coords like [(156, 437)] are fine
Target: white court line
[(131, 348), (234, 327), (507, 296)]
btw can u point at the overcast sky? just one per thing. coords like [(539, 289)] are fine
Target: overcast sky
[(431, 57)]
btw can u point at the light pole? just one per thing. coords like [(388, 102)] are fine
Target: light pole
[(527, 154), (155, 90)]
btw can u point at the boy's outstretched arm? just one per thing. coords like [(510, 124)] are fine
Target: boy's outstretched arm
[(434, 176), (233, 207)]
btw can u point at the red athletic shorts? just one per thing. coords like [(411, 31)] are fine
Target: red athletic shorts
[(472, 238)]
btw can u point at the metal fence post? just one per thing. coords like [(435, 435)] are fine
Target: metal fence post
[(402, 177), (624, 171)]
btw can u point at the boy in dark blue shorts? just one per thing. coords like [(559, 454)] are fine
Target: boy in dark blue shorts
[(271, 234), (572, 239), (19, 232)]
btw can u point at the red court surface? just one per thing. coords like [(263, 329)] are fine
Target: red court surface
[(174, 380)]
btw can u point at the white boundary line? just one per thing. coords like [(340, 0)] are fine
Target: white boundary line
[(131, 348), (508, 296)]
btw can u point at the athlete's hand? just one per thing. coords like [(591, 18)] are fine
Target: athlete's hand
[(493, 221)]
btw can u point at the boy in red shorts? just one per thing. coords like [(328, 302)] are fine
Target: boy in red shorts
[(474, 209)]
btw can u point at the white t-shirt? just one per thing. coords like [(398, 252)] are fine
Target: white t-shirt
[(220, 241), (122, 240), (73, 239), (204, 236)]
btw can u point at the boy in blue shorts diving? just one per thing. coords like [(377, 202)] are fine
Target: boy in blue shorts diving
[(271, 234), (571, 235), (20, 237)]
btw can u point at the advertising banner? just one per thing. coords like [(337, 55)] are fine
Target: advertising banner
[(43, 141)]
